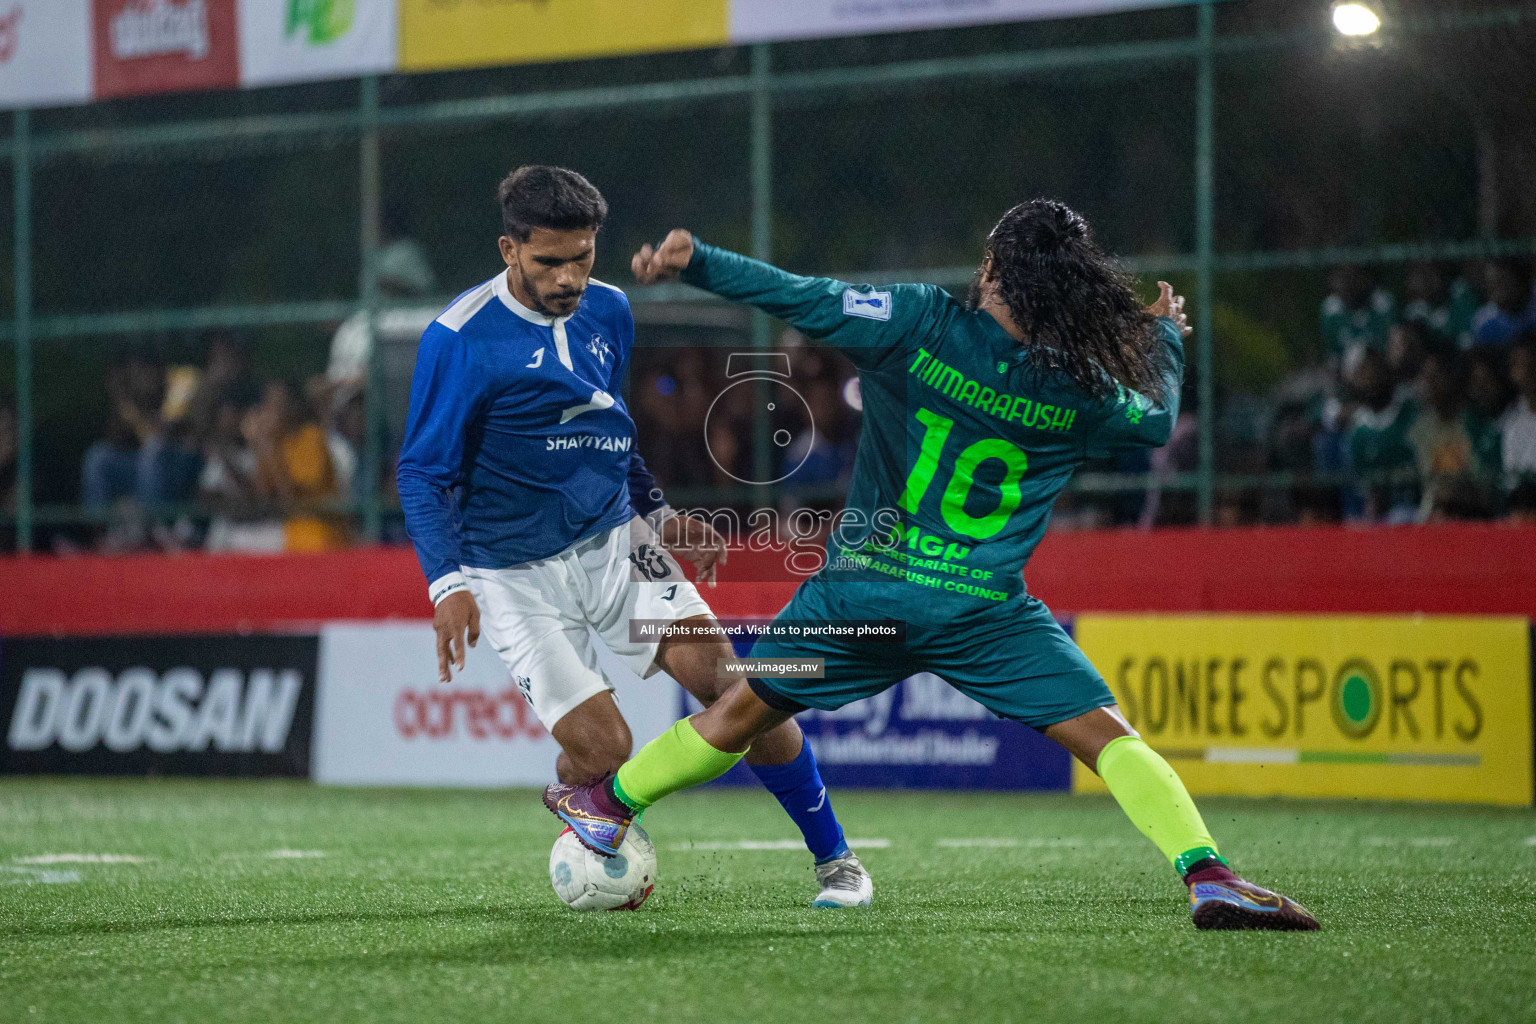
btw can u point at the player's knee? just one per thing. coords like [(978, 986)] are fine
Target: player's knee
[(713, 689)]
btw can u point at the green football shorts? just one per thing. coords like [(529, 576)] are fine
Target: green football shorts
[(1012, 657)]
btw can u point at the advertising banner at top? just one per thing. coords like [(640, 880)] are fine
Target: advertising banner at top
[(55, 52), (441, 34), (756, 21), (151, 46), (304, 40), (1370, 707), (45, 52)]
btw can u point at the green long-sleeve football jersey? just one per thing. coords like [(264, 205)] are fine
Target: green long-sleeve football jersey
[(965, 445)]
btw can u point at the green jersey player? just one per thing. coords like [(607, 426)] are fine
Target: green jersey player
[(975, 415)]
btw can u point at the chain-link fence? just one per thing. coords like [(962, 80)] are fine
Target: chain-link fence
[(1351, 219)]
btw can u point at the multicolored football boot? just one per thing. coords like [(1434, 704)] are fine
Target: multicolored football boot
[(598, 818), (1219, 900)]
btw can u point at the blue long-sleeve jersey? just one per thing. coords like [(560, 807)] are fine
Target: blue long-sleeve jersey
[(518, 443)]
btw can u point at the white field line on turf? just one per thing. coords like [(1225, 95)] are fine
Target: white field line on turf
[(776, 844), (1029, 844), (1530, 840), (81, 858), (12, 874), (293, 854), (1411, 841)]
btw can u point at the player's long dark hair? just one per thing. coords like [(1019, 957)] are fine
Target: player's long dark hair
[(1073, 301)]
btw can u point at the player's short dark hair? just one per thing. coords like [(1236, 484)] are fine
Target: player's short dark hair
[(548, 197), (1074, 302)]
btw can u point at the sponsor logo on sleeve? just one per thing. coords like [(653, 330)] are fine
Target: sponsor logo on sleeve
[(871, 305)]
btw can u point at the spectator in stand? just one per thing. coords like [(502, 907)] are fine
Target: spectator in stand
[(294, 468), (819, 455), (226, 378), (1408, 343), (228, 485), (1356, 314), (1511, 306), (346, 435), (1440, 303), (1518, 428), (135, 388), (1454, 482), (1378, 447), (1488, 398), (404, 276)]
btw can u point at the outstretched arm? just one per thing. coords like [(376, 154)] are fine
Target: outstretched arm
[(868, 324)]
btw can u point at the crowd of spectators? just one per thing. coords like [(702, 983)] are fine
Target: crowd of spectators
[(209, 455), (267, 461), (1424, 408), (1420, 410)]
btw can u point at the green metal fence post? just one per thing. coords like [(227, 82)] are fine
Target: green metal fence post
[(1205, 255), (369, 186), (21, 193), (762, 244)]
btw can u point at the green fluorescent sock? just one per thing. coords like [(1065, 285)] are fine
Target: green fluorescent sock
[(1152, 796), (675, 760)]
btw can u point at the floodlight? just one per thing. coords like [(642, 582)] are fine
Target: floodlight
[(1353, 19)]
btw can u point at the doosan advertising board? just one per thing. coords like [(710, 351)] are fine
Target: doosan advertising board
[(192, 705)]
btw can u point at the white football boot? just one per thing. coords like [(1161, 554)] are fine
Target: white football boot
[(844, 883)]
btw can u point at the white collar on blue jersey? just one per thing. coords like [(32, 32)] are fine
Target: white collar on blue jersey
[(504, 293)]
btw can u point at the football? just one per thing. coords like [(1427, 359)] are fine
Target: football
[(585, 881)]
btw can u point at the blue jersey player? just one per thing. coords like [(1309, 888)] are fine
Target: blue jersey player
[(535, 519)]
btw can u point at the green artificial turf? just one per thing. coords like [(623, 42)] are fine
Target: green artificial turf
[(286, 902)]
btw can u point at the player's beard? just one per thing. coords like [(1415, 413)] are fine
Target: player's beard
[(539, 306)]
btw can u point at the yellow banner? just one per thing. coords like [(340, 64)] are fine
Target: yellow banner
[(437, 35), (1376, 707)]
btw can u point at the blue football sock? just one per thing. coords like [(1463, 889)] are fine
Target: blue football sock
[(799, 788)]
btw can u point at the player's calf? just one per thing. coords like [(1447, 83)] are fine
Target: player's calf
[(594, 740)]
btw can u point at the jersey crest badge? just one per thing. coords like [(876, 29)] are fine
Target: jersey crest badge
[(871, 305), (598, 347), (649, 562)]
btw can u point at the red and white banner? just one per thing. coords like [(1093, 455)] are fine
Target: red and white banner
[(154, 46), (383, 718), (56, 52), (306, 40), (45, 52)]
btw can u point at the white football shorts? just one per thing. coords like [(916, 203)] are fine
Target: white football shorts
[(536, 614)]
